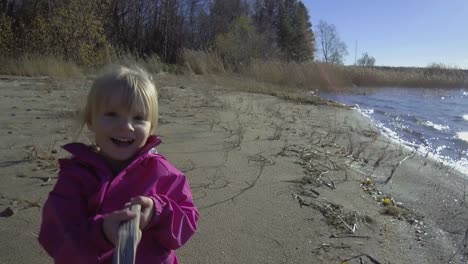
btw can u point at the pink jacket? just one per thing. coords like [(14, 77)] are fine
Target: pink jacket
[(71, 230)]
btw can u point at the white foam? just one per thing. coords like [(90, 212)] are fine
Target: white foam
[(465, 117), (463, 136), (459, 165), (363, 111), (440, 148), (435, 126)]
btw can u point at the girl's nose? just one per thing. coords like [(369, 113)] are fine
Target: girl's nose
[(127, 124)]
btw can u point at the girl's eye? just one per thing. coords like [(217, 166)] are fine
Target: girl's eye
[(140, 118)]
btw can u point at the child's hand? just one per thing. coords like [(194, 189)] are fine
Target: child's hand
[(112, 222), (147, 209)]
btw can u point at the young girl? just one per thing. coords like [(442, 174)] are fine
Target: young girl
[(95, 186)]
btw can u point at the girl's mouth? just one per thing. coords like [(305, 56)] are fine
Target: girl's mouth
[(122, 142)]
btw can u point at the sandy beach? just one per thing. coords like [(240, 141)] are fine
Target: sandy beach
[(276, 181)]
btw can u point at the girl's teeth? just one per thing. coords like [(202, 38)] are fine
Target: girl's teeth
[(123, 139)]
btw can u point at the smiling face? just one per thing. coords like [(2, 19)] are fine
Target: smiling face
[(120, 132), (122, 111)]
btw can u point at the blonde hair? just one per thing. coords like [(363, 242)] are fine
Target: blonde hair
[(135, 89)]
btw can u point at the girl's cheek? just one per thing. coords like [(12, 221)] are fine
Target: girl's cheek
[(142, 124)]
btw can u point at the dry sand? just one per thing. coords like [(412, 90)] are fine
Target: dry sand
[(275, 181)]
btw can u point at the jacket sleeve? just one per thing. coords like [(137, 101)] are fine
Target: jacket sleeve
[(68, 233), (175, 216)]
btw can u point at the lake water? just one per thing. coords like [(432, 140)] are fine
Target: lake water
[(433, 121)]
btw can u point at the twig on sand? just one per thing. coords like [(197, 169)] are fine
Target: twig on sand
[(372, 259), (348, 235), (256, 158), (463, 249), (327, 210), (44, 158), (396, 166), (239, 132), (309, 192), (325, 245), (350, 147), (277, 134), (5, 164), (464, 191), (352, 229), (381, 155), (331, 185)]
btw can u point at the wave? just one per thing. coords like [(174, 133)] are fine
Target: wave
[(426, 149), (423, 149), (435, 126), (462, 136), (367, 112)]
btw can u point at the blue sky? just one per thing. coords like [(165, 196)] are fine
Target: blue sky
[(398, 32)]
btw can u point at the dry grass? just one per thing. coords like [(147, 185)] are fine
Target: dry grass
[(396, 211), (151, 63), (407, 77), (334, 77), (234, 82), (38, 65), (301, 75), (44, 158), (275, 77), (320, 76), (202, 63)]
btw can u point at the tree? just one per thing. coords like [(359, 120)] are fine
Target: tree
[(6, 36), (264, 18), (285, 30), (76, 33), (366, 60), (242, 43), (87, 31), (295, 36), (303, 48), (223, 13), (332, 49)]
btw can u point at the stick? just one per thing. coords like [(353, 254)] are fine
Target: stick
[(372, 259), (125, 251), (396, 166), (348, 235)]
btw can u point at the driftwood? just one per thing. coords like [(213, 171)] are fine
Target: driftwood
[(125, 250), (372, 259)]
